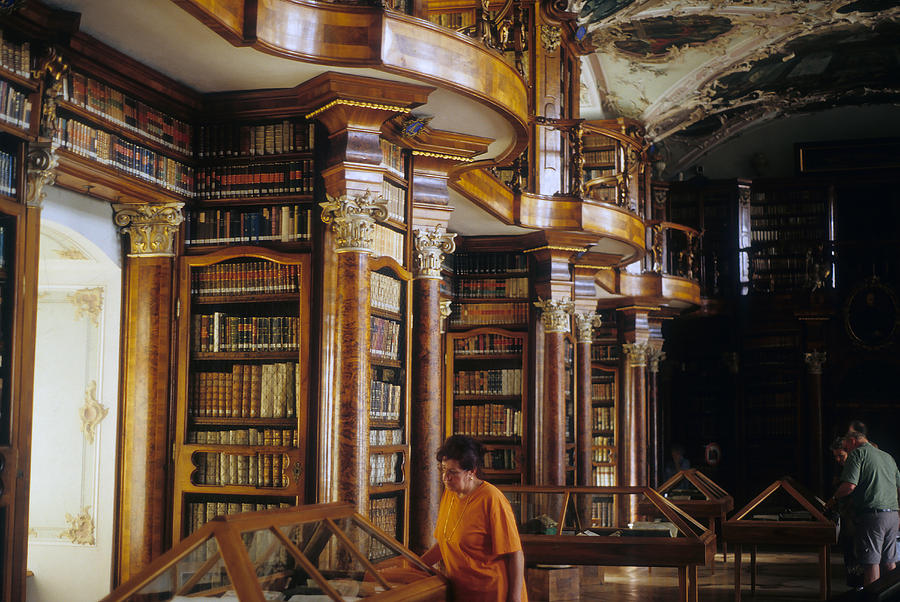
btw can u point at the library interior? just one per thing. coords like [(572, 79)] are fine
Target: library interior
[(258, 255)]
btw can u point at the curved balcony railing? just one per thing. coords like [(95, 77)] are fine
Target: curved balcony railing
[(672, 250)]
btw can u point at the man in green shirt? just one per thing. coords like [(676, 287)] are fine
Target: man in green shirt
[(871, 477)]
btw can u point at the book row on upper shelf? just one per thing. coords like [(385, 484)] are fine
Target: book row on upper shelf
[(255, 179), (603, 418), (604, 353), (386, 293), (781, 235), (385, 468), (246, 391), (386, 437), (392, 157), (384, 338), (487, 420), (396, 201), (15, 106), (454, 20), (602, 454), (491, 288), (469, 314), (258, 223), (251, 470), (385, 400), (600, 441), (487, 343), (244, 140), (488, 382), (269, 437), (603, 476), (200, 513), (8, 174), (465, 263), (220, 332), (500, 459), (604, 392), (245, 278), (15, 56)]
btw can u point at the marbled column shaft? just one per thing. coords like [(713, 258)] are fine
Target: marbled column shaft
[(583, 418), (554, 414)]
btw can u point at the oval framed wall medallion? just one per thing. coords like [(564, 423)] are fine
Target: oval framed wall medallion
[(872, 314)]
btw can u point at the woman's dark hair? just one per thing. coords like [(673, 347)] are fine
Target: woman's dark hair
[(465, 450)]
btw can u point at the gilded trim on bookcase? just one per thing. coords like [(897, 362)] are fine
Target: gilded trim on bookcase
[(442, 156), (81, 528), (554, 248), (644, 307), (358, 103), (87, 301), (150, 228), (39, 172), (92, 412)]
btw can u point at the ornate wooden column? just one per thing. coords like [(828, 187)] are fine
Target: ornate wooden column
[(814, 361), (425, 403), (655, 355), (555, 318), (633, 421), (144, 400), (585, 322), (353, 225)]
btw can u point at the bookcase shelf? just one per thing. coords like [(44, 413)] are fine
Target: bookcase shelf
[(241, 415), (605, 373)]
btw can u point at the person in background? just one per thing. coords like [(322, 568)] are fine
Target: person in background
[(847, 530), (857, 426), (477, 537), (872, 482), (678, 463)]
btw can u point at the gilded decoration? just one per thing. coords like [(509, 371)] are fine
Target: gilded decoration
[(814, 361), (654, 356), (431, 246), (555, 314), (92, 412), (39, 166), (87, 301), (81, 528), (353, 220), (636, 353), (445, 310), (585, 323), (151, 228), (550, 37)]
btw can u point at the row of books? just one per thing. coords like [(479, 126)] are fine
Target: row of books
[(603, 441), (796, 264), (489, 263), (487, 344), (384, 338), (604, 353), (245, 278), (388, 243), (603, 392), (219, 332), (385, 468), (457, 20), (247, 436), (487, 420), (470, 314), (274, 223), (251, 470), (603, 418), (500, 459), (386, 437), (385, 401), (15, 106), (600, 156), (788, 221), (603, 476), (396, 200), (393, 158), (256, 179), (247, 391), (386, 293), (128, 112), (604, 194), (492, 288), (200, 513), (602, 454), (772, 282), (503, 381), (249, 140), (8, 174), (782, 235), (760, 208), (15, 56), (383, 514), (602, 513), (132, 159)]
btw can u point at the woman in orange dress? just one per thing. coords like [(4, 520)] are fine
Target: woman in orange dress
[(477, 537)]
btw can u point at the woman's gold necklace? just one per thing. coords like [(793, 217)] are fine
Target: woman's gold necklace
[(458, 518)]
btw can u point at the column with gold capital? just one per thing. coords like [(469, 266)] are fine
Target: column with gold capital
[(632, 416), (353, 221), (585, 322), (147, 318), (430, 246), (555, 318), (655, 355)]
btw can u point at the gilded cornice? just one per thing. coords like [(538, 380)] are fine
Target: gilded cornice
[(152, 229)]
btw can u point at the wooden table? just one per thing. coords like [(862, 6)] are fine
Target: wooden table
[(781, 533)]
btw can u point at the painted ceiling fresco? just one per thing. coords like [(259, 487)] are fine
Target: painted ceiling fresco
[(696, 72)]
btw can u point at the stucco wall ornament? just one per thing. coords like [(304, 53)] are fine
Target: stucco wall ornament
[(353, 220), (81, 528), (91, 413), (87, 301)]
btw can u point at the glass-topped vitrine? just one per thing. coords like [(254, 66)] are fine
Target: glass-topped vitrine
[(301, 554)]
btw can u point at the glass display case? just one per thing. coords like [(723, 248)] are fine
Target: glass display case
[(302, 554)]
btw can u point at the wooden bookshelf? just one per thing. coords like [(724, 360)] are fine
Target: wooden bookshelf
[(606, 355), (242, 410), (570, 420)]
